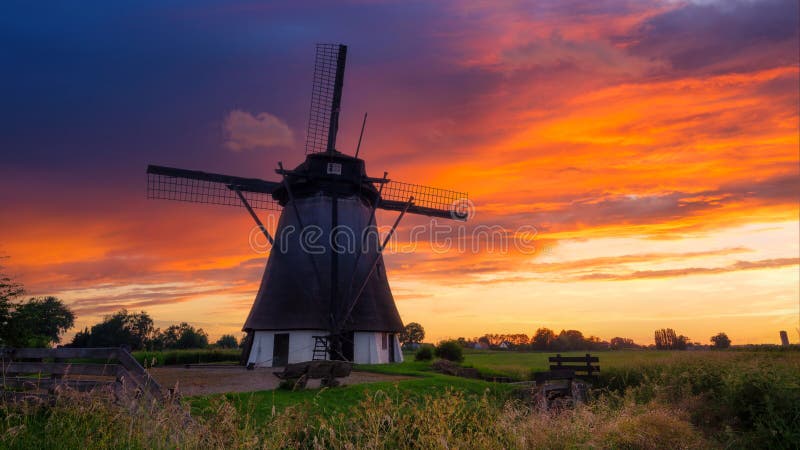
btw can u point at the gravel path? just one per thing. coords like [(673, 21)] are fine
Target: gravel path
[(201, 381)]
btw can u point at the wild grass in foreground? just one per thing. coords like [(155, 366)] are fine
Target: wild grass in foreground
[(381, 419), (680, 400)]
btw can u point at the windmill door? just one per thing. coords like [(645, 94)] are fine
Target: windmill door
[(280, 350), (391, 348), (348, 345)]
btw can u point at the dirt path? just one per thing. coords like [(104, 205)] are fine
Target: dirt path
[(201, 381)]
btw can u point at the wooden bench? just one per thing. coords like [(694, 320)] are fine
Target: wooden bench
[(327, 371), (559, 381), (31, 373), (575, 367)]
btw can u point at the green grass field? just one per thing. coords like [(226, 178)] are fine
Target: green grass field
[(644, 399)]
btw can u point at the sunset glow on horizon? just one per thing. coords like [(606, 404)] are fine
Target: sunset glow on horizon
[(653, 146)]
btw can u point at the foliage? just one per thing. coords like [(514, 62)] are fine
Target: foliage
[(721, 340), (227, 341), (667, 339), (133, 330), (37, 322), (450, 350), (412, 333), (425, 353), (621, 343), (543, 339), (9, 290), (184, 336)]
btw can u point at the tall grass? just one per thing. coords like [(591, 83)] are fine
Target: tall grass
[(383, 419), (746, 399), (683, 400)]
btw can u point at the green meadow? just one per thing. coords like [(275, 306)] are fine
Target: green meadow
[(644, 399)]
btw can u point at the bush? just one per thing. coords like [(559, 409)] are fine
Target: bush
[(450, 350), (424, 353)]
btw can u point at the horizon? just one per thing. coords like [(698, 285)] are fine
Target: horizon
[(645, 154)]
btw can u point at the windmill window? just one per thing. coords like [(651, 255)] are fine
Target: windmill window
[(384, 341)]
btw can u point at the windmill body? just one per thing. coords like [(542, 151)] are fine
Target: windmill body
[(324, 293), (307, 286)]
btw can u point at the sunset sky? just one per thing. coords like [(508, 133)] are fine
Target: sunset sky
[(652, 145)]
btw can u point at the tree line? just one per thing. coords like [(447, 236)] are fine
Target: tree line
[(545, 339), (137, 332)]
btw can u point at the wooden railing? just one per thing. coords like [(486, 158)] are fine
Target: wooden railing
[(38, 372)]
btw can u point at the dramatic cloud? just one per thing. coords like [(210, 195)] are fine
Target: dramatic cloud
[(736, 35), (243, 131), (686, 271), (671, 126)]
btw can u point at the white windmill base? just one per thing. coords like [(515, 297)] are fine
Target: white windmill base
[(368, 347)]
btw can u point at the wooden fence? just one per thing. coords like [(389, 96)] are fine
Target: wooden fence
[(39, 372)]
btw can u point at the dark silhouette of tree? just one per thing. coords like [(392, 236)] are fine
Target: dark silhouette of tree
[(184, 336), (37, 322), (667, 339), (494, 340), (412, 333), (570, 340), (133, 330), (543, 339), (721, 340), (517, 340), (9, 291), (620, 343), (227, 341)]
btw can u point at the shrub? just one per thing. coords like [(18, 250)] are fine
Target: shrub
[(424, 353), (450, 350)]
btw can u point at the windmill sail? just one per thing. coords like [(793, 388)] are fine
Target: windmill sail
[(428, 201), (326, 98), (169, 183)]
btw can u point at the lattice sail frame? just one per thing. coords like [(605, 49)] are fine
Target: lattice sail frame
[(166, 187), (322, 97), (427, 199)]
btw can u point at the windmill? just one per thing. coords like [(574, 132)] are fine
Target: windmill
[(324, 293)]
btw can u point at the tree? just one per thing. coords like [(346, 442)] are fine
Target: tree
[(620, 343), (543, 339), (570, 340), (9, 290), (667, 339), (37, 322), (494, 340), (134, 330), (227, 341), (518, 339), (721, 340), (412, 333), (184, 336)]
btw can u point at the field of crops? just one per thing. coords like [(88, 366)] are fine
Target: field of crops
[(645, 399)]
